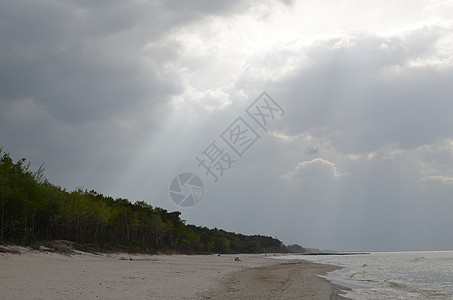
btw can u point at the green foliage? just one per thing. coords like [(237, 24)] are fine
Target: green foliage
[(32, 210), (295, 248)]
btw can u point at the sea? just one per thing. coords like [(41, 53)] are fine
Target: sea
[(391, 275)]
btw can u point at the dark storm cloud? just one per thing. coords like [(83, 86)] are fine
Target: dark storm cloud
[(312, 150), (80, 64), (87, 60)]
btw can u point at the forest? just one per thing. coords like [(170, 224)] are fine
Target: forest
[(33, 211)]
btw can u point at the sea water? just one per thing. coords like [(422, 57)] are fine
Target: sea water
[(391, 275)]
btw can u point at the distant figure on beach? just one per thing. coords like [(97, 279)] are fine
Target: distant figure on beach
[(237, 258)]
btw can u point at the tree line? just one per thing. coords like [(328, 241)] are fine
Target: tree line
[(32, 211)]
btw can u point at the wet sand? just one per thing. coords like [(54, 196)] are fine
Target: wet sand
[(289, 280), (38, 275)]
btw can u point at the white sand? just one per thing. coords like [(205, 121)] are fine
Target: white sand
[(37, 275)]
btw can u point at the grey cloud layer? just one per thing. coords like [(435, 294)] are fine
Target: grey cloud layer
[(368, 94)]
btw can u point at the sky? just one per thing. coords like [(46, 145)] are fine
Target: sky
[(122, 96)]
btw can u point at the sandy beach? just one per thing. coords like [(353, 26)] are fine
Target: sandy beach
[(40, 275), (288, 280)]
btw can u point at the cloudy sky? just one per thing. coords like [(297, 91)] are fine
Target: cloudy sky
[(122, 96)]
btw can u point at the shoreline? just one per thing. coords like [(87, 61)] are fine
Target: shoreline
[(34, 274), (284, 280)]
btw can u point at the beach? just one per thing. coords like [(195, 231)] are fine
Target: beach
[(45, 275)]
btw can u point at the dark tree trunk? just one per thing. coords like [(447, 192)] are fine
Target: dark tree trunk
[(3, 217)]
